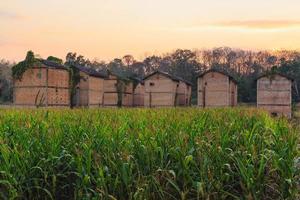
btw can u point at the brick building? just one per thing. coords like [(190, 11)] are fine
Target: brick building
[(89, 91), (118, 92), (274, 94), (43, 84), (216, 89), (165, 90)]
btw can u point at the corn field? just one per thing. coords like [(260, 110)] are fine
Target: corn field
[(146, 154)]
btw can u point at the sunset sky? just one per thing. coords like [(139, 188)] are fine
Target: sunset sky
[(106, 29)]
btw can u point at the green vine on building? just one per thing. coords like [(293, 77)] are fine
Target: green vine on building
[(55, 60), (74, 81), (19, 69), (121, 87)]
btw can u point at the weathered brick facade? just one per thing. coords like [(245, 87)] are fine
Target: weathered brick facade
[(184, 93), (138, 96), (274, 94), (42, 85), (216, 89), (89, 90), (112, 96), (164, 90)]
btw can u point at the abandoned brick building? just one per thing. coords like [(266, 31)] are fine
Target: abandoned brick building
[(117, 91), (216, 89), (274, 94), (161, 90), (45, 83), (89, 90)]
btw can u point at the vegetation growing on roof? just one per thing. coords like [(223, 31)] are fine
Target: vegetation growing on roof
[(272, 73), (55, 59), (19, 69)]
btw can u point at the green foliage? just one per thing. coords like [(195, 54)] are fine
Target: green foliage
[(121, 89), (146, 154), (5, 90), (74, 74), (21, 67), (6, 86), (292, 68), (272, 72), (55, 59)]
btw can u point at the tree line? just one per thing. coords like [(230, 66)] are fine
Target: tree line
[(244, 65)]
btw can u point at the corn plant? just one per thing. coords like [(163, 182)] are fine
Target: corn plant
[(146, 154)]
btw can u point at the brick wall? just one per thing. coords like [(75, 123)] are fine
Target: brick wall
[(127, 97), (138, 97), (89, 92), (183, 94), (111, 93), (95, 91), (34, 90), (233, 93), (160, 91), (214, 90), (274, 95), (32, 77)]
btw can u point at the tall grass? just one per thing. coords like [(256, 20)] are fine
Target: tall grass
[(146, 154)]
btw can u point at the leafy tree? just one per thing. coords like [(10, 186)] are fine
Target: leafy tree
[(6, 86), (128, 60)]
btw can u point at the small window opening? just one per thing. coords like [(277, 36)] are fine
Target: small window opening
[(151, 84)]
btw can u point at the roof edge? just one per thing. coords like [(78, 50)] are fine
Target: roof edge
[(89, 71), (278, 73), (162, 73), (218, 71)]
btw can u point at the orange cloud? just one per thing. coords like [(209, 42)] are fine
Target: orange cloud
[(259, 24)]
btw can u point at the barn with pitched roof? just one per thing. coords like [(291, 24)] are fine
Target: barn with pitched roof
[(216, 89), (89, 89), (274, 94), (165, 90), (43, 84)]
